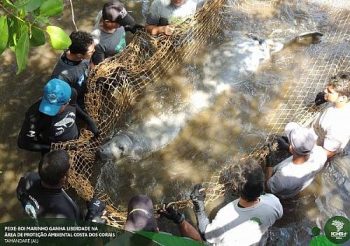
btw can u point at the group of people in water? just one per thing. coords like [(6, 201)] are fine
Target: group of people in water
[(244, 221)]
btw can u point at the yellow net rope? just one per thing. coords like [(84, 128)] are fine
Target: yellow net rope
[(115, 85)]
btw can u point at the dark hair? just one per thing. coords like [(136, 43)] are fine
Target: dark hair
[(80, 42), (54, 166), (340, 83), (252, 180)]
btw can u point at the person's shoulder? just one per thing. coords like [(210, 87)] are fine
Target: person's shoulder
[(319, 151), (228, 207), (34, 108), (269, 199), (284, 164)]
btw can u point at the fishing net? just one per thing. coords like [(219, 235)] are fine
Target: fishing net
[(116, 84)]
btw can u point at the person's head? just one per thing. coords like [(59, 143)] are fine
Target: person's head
[(338, 89), (251, 183), (301, 139), (140, 214), (115, 15), (53, 168), (57, 94), (177, 3), (82, 45)]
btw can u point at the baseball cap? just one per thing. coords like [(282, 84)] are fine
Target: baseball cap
[(302, 139), (114, 11), (56, 93), (140, 214)]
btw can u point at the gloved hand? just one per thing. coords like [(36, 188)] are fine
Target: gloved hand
[(163, 21), (198, 196), (95, 210), (320, 98), (169, 212), (30, 205), (133, 28)]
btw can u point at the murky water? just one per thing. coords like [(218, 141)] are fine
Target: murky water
[(228, 117)]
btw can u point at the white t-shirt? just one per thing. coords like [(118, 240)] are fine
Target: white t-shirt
[(333, 128), (289, 179), (175, 15), (234, 225)]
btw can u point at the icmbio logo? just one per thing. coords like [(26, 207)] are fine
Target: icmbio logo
[(337, 229)]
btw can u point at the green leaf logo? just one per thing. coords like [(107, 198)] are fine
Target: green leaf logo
[(337, 229), (59, 39)]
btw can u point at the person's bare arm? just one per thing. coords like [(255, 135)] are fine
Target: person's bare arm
[(269, 172), (155, 30), (329, 153), (187, 230)]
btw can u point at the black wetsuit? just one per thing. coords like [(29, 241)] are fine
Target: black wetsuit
[(52, 202), (75, 73), (40, 130)]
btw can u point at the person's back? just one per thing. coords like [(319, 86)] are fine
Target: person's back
[(42, 193), (289, 179), (53, 202), (252, 211), (295, 173), (232, 222)]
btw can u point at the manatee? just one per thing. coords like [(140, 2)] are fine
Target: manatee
[(161, 123), (238, 59), (124, 145)]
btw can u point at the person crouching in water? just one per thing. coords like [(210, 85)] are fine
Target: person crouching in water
[(245, 220), (295, 173)]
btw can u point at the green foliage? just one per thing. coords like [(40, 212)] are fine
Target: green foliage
[(51, 7), (22, 49), (23, 24), (4, 33), (58, 37)]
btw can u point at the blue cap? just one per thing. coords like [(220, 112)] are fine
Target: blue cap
[(56, 93)]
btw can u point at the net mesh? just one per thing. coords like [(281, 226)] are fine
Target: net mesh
[(116, 84)]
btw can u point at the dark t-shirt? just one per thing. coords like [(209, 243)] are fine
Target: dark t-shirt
[(39, 130), (109, 44), (52, 202), (74, 73)]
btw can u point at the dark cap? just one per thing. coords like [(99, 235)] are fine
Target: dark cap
[(140, 214), (115, 11)]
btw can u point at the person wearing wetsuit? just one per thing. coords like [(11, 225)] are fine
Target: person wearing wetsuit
[(74, 64), (53, 118), (42, 196)]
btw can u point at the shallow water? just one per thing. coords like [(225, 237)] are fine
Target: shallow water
[(233, 122)]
